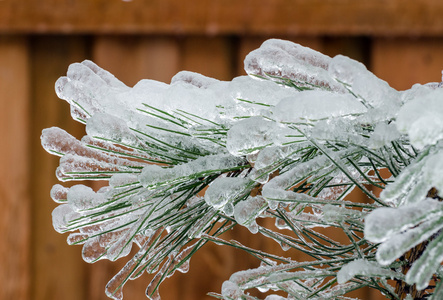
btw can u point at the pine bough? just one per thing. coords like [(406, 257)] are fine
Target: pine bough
[(288, 142)]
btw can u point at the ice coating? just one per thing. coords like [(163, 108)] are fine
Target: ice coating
[(276, 188), (224, 189), (119, 180), (372, 90), (333, 213), (153, 175), (383, 222), (416, 180), (109, 127), (81, 197), (364, 268), (423, 269), (245, 212), (92, 87), (399, 243), (193, 78), (230, 290), (250, 135), (316, 105), (293, 61), (422, 119), (61, 216), (59, 193), (383, 134)]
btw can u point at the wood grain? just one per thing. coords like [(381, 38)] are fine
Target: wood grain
[(15, 200), (403, 62), (58, 271), (268, 17)]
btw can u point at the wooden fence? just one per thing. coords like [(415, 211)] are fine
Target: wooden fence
[(400, 41)]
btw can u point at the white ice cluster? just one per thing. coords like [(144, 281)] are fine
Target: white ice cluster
[(291, 140)]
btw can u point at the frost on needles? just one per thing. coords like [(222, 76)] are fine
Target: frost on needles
[(187, 161)]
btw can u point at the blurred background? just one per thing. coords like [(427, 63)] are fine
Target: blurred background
[(401, 41)]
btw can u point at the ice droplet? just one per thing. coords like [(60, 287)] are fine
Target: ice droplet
[(59, 193)]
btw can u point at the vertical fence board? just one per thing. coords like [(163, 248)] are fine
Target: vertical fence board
[(58, 270), (405, 61), (213, 57), (210, 56), (130, 59), (14, 184)]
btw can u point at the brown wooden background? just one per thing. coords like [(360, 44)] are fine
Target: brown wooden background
[(400, 40)]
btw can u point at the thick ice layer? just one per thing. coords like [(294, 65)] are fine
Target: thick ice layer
[(226, 189), (250, 135), (245, 212), (194, 79), (89, 88), (372, 90), (272, 139), (384, 222), (109, 127), (230, 290), (289, 60), (425, 267), (153, 175), (61, 216), (398, 244), (119, 180), (422, 119), (59, 193), (316, 105), (339, 129), (81, 197), (414, 182), (383, 134), (364, 268)]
